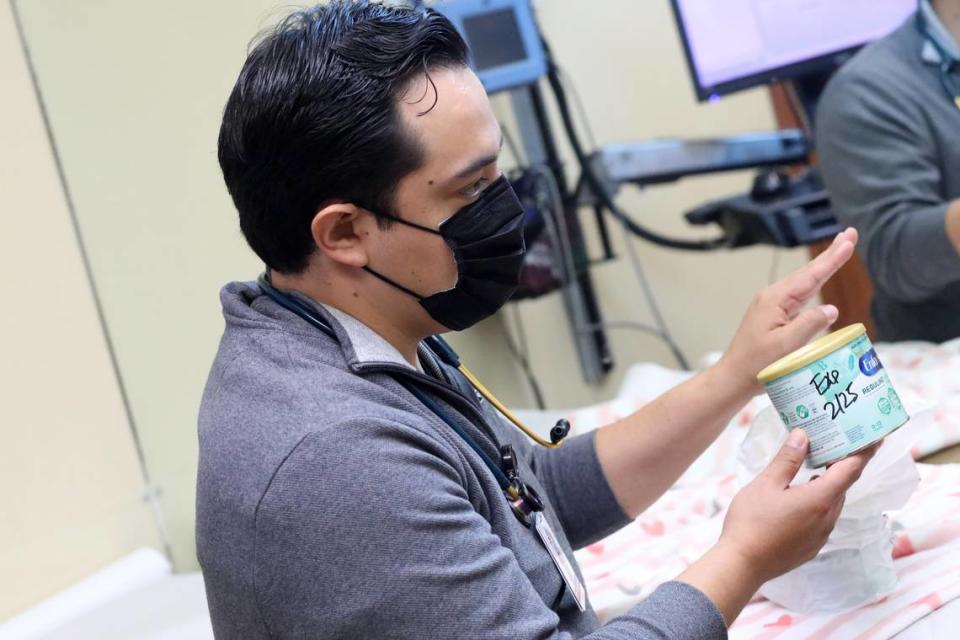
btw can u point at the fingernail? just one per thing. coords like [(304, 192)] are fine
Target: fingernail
[(831, 312), (797, 439)]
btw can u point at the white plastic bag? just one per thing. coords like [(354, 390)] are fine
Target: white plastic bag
[(855, 567)]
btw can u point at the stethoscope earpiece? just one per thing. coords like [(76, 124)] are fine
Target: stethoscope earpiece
[(559, 431)]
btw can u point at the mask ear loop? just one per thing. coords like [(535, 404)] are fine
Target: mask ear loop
[(384, 278), (399, 286), (407, 222)]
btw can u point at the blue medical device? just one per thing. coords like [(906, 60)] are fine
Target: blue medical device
[(505, 47)]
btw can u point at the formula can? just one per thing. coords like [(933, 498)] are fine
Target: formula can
[(836, 390)]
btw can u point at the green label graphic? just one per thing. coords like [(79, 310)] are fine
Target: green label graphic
[(894, 399), (884, 405)]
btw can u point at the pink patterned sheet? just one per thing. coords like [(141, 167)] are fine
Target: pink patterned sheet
[(625, 567)]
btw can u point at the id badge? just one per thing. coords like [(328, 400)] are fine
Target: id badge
[(550, 541)]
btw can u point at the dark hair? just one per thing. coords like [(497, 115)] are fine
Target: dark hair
[(313, 118)]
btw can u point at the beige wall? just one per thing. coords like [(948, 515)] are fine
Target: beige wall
[(72, 486), (627, 63), (135, 91)]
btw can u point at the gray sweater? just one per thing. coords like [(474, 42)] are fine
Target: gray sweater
[(332, 504), (888, 138)]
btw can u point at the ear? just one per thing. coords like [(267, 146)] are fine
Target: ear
[(338, 231)]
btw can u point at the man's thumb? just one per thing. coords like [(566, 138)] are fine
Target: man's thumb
[(783, 468)]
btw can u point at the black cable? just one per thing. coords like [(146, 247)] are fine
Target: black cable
[(621, 324), (524, 347), (568, 269), (511, 143), (658, 320), (596, 184), (600, 191), (524, 363), (578, 102)]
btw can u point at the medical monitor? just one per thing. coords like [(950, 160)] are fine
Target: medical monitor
[(733, 45), (504, 42)]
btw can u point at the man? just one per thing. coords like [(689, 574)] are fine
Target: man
[(888, 136), (351, 482)]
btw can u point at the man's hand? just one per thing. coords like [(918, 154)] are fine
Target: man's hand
[(772, 527), (776, 527), (776, 323), (643, 455)]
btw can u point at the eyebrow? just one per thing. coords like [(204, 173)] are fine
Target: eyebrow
[(479, 163)]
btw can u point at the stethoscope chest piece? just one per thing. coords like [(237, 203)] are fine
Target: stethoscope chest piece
[(524, 499)]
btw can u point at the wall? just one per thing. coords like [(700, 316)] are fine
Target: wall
[(135, 92), (72, 485), (626, 61)]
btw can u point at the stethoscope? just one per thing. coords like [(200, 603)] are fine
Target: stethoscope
[(523, 499), (947, 64)]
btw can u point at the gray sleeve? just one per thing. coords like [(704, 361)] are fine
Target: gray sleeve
[(879, 163), (579, 490), (396, 549), (677, 611)]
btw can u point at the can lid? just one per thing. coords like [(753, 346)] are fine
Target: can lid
[(810, 353)]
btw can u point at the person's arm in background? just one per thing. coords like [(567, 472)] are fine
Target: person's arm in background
[(880, 166)]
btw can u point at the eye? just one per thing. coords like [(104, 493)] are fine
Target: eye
[(474, 189)]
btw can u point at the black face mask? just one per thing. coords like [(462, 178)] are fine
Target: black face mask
[(486, 238)]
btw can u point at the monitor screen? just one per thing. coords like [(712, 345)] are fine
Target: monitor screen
[(494, 39), (737, 44), (505, 47)]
